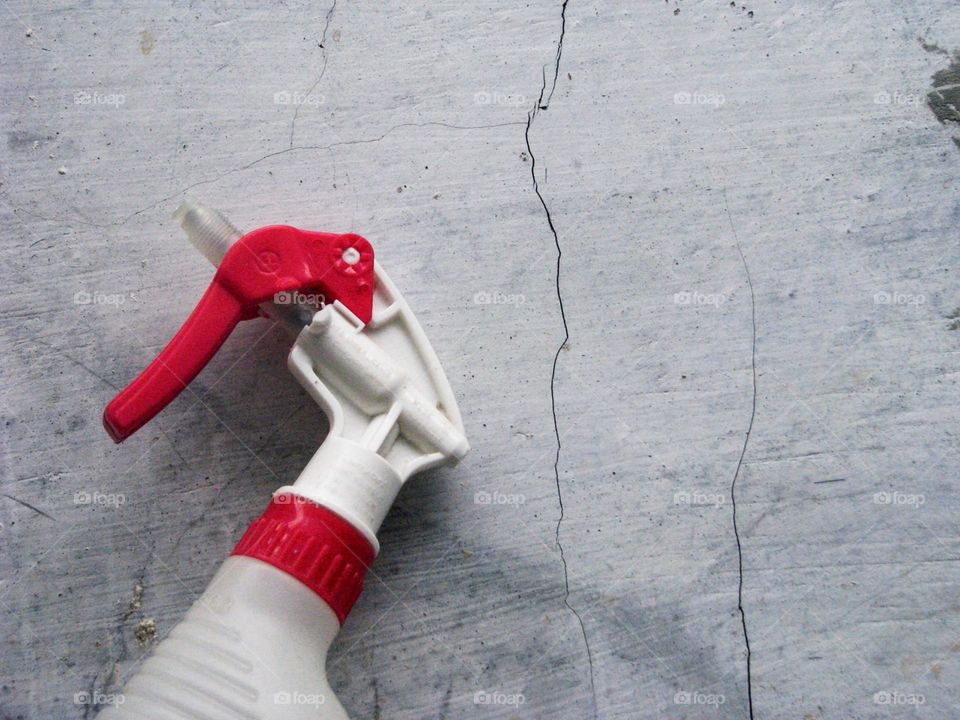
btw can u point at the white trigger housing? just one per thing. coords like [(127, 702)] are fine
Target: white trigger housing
[(391, 409)]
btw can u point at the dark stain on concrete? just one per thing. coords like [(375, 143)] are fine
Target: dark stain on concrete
[(944, 99), (19, 140), (147, 42), (931, 47), (954, 318)]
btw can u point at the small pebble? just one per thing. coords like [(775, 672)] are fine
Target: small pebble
[(62, 170)]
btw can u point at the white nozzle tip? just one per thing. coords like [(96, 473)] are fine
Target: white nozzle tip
[(209, 231), (460, 449)]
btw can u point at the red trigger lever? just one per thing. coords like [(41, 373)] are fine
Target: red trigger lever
[(261, 264)]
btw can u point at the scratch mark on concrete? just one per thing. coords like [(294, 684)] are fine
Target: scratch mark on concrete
[(323, 70), (31, 507), (64, 355), (445, 703), (543, 103), (743, 452)]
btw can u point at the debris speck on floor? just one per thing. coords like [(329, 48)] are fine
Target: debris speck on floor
[(137, 598), (146, 632)]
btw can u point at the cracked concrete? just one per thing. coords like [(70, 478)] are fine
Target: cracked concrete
[(542, 104), (743, 453), (717, 376)]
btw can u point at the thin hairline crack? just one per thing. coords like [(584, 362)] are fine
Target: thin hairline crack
[(542, 104)]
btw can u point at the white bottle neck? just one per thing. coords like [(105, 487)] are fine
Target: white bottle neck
[(353, 481)]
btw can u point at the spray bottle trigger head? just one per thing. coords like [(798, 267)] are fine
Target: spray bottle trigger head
[(261, 266)]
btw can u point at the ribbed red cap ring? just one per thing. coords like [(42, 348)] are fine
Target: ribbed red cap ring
[(313, 544)]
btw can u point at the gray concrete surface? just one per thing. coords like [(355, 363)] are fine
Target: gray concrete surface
[(758, 214)]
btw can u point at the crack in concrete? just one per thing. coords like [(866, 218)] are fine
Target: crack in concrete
[(543, 103), (323, 70), (743, 452)]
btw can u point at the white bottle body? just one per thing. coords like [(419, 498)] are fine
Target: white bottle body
[(252, 647)]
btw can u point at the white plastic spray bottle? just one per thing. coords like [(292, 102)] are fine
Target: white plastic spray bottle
[(254, 644)]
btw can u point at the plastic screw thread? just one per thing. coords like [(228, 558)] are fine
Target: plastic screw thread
[(213, 235), (209, 231)]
